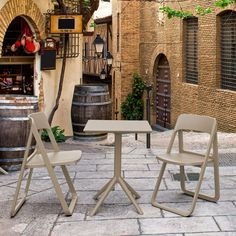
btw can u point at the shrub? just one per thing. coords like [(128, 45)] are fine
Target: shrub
[(57, 132), (132, 107)]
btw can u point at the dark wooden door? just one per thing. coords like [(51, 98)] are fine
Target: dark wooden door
[(163, 93)]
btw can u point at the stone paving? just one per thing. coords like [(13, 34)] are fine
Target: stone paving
[(42, 214)]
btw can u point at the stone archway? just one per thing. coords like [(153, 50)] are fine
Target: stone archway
[(31, 13), (163, 93), (25, 8)]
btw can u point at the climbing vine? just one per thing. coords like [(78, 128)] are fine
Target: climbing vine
[(171, 12)]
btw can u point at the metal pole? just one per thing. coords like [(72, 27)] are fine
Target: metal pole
[(148, 114), (148, 118)]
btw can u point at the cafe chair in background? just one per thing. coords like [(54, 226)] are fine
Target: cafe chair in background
[(195, 123), (41, 158)]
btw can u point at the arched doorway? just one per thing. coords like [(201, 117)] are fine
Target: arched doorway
[(163, 92), (29, 12), (16, 66)]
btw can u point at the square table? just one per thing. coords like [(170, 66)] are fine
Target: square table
[(118, 127)]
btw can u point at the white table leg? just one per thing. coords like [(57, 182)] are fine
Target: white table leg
[(103, 196), (101, 190), (130, 196), (130, 192)]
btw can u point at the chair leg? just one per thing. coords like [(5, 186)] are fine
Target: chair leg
[(71, 189), (16, 205), (214, 198), (28, 181), (216, 180), (3, 171), (68, 210), (170, 209)]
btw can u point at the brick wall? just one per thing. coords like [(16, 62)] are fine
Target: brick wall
[(126, 60), (149, 38)]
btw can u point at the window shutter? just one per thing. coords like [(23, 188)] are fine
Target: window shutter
[(191, 47), (228, 50)]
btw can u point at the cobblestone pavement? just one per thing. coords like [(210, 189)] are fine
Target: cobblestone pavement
[(42, 214)]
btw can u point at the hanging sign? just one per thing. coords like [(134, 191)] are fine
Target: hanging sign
[(60, 24)]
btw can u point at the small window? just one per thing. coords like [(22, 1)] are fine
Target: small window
[(118, 33), (86, 50), (191, 48), (228, 50)]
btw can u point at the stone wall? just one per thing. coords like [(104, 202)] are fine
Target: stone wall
[(157, 34), (126, 60)]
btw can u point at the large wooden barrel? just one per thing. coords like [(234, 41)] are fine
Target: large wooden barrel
[(90, 101), (14, 126)]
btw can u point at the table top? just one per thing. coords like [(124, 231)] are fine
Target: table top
[(118, 126)]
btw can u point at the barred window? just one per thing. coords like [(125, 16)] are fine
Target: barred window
[(191, 47), (228, 50)]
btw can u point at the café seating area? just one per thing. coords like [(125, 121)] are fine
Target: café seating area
[(140, 167)]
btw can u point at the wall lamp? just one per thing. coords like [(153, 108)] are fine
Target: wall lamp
[(107, 59), (99, 45)]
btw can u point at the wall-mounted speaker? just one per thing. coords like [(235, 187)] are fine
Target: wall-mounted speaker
[(48, 59)]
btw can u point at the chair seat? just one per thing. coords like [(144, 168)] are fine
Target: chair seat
[(182, 158), (56, 158)]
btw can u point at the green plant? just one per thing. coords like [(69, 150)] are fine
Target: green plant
[(57, 132), (170, 12), (132, 107), (86, 3)]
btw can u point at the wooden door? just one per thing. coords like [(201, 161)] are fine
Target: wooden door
[(163, 93)]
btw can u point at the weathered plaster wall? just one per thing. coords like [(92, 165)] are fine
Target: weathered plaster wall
[(33, 11)]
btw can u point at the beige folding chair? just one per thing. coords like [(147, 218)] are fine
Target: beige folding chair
[(41, 158), (197, 123)]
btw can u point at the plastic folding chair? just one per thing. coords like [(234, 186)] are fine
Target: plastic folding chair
[(195, 123), (41, 158)]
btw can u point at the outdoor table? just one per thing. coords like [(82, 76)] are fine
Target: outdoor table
[(118, 127)]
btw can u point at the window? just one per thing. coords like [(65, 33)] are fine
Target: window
[(118, 33), (86, 50), (191, 47), (228, 50)]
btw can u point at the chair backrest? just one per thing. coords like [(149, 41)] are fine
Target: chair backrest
[(197, 123), (40, 122)]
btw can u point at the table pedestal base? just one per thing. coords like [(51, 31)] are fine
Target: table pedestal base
[(108, 187)]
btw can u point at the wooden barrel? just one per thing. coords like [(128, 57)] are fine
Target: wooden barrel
[(14, 126), (90, 101)]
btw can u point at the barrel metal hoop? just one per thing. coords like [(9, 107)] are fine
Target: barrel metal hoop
[(10, 160), (16, 107), (77, 124), (18, 102), (14, 118), (14, 149), (90, 93), (90, 134), (91, 104)]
